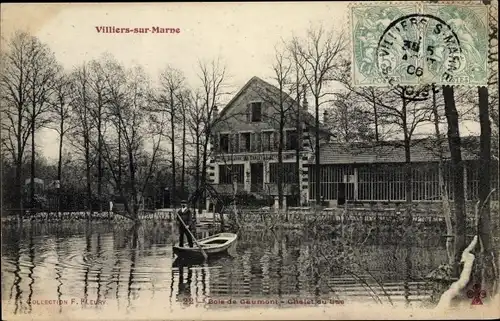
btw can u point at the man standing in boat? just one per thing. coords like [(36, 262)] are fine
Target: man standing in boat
[(187, 217)]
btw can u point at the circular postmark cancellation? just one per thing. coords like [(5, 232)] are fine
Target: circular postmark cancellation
[(407, 50), (418, 50)]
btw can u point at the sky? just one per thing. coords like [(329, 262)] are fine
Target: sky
[(243, 35)]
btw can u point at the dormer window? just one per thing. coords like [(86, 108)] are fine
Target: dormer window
[(256, 109)]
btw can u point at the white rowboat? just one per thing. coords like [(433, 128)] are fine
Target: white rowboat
[(212, 245)]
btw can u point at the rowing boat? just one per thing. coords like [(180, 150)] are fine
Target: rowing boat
[(212, 245)]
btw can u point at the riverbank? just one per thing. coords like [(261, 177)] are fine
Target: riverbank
[(293, 217)]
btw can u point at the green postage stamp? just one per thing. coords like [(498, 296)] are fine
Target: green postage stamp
[(417, 44)]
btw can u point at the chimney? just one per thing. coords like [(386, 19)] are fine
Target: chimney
[(305, 105), (325, 116), (215, 114)]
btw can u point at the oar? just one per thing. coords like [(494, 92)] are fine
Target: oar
[(192, 236)]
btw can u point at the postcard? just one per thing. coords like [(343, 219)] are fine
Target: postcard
[(250, 160)]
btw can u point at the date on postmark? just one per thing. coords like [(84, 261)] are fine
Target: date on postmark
[(418, 44)]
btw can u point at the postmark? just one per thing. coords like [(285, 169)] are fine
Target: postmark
[(418, 45), (419, 49)]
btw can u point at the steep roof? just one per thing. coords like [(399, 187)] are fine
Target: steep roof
[(305, 115), (421, 150)]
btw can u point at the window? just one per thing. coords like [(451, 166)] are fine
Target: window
[(235, 143), (256, 112), (331, 181), (267, 141), (230, 173), (224, 143), (245, 142), (256, 142), (292, 142), (288, 176)]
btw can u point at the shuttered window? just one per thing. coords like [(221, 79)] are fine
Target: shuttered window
[(244, 142), (230, 173), (224, 143), (267, 141), (256, 109)]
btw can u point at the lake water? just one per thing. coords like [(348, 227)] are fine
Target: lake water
[(63, 268)]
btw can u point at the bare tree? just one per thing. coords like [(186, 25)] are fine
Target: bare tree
[(98, 91), (195, 121), (457, 171), (83, 125), (61, 109), (116, 83), (319, 54), (130, 94), (29, 73), (184, 105), (41, 80), (408, 117), (299, 88), (212, 76), (350, 121), (16, 125), (171, 85), (440, 139), (282, 68), (487, 273), (366, 102)]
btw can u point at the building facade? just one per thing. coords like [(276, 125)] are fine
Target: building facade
[(245, 141), (244, 156)]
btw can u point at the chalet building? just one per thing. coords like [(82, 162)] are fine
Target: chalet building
[(245, 143), (244, 156), (376, 172)]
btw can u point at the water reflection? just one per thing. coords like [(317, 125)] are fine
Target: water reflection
[(120, 268), (17, 275), (59, 270), (184, 286)]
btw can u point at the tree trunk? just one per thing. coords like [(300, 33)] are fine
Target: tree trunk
[(408, 174), (457, 172), (19, 189), (119, 183), (173, 194), (442, 184), (19, 168), (484, 225), (86, 143), (87, 171), (407, 168), (317, 153), (280, 150), (99, 151), (204, 156), (32, 175), (133, 209), (183, 169), (59, 163), (299, 144), (197, 161), (86, 138), (375, 115)]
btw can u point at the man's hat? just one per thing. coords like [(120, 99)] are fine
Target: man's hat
[(183, 202)]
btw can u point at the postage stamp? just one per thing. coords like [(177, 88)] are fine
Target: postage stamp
[(418, 44)]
